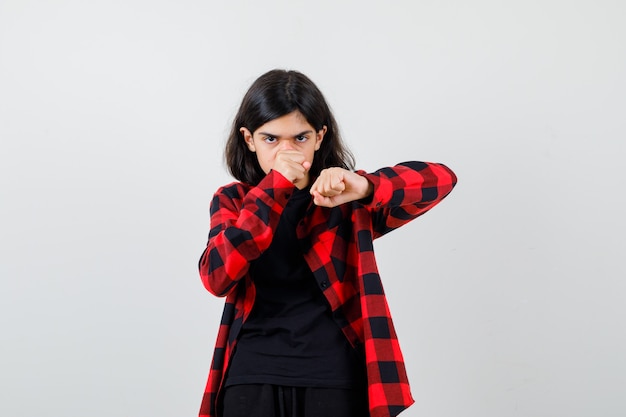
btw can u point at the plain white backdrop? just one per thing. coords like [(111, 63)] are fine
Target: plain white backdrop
[(509, 297)]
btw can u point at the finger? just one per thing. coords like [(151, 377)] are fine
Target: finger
[(335, 179), (291, 155), (334, 185), (323, 184), (338, 184), (320, 200), (324, 201), (289, 169), (318, 183), (297, 171), (330, 193), (313, 188)]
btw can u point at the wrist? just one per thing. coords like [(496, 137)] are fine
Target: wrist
[(367, 188)]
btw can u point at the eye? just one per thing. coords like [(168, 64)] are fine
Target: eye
[(301, 138), (269, 139)]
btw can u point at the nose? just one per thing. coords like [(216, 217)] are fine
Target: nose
[(286, 145)]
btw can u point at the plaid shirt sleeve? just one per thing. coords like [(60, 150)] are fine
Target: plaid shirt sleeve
[(406, 191), (241, 229)]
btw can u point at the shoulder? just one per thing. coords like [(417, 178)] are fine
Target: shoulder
[(233, 191), (228, 195)]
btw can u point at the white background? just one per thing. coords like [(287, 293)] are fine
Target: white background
[(509, 297)]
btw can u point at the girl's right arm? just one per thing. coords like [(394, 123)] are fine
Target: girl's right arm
[(242, 227)]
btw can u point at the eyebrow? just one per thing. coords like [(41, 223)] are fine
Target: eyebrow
[(276, 136)]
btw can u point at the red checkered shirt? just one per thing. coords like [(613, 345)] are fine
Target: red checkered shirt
[(339, 251)]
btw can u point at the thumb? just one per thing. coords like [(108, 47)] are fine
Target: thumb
[(319, 199)]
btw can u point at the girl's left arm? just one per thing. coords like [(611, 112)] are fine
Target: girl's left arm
[(405, 191)]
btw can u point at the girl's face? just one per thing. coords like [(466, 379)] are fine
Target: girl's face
[(289, 132)]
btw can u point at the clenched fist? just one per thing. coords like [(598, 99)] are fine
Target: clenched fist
[(292, 165), (336, 186)]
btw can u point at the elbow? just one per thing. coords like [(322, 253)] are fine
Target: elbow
[(452, 178), (215, 290), (213, 287), (444, 181), (219, 287)]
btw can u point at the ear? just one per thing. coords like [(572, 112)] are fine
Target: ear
[(247, 137), (319, 137)]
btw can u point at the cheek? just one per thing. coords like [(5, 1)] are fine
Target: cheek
[(268, 157), (266, 160)]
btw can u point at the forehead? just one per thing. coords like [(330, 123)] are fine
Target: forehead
[(289, 124)]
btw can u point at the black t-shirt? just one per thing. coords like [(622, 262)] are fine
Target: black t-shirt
[(290, 337)]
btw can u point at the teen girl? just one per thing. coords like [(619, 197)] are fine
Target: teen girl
[(306, 330)]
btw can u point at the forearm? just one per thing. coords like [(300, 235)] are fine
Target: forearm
[(410, 183), (240, 231), (405, 192)]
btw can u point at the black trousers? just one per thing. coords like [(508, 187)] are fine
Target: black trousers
[(265, 400)]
